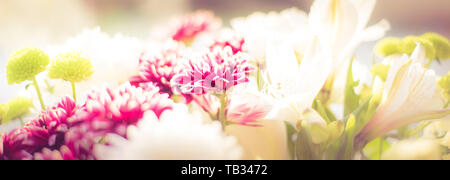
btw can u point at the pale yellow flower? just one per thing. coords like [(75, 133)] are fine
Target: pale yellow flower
[(408, 97)]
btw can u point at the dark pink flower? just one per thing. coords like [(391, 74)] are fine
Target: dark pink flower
[(47, 131), (22, 143), (56, 121), (186, 28), (126, 104), (215, 72), (112, 111), (159, 67)]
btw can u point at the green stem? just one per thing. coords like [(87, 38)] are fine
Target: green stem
[(38, 91), (381, 147), (22, 122), (222, 113), (74, 93)]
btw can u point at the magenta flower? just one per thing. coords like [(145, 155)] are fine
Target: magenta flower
[(56, 121), (126, 104), (215, 72), (22, 143), (159, 67), (112, 111), (190, 26), (47, 131)]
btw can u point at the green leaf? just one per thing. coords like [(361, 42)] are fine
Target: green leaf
[(375, 148), (324, 111), (351, 99), (291, 131), (304, 147), (344, 147)]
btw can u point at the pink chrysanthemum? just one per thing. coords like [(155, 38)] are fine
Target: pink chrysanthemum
[(234, 42), (56, 121), (215, 71), (124, 105), (159, 67), (22, 143), (112, 111), (45, 132), (188, 27)]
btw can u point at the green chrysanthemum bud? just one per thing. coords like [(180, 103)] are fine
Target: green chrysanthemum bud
[(3, 111), (25, 64), (72, 67), (380, 70), (388, 46), (17, 107), (440, 43), (444, 83), (409, 43)]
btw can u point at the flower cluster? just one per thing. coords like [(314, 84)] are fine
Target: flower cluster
[(277, 85)]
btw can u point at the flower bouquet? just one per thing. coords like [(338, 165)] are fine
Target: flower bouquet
[(279, 85)]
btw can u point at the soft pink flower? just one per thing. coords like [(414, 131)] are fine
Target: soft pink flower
[(247, 109), (188, 27), (63, 154), (215, 72), (209, 103), (243, 109), (236, 43)]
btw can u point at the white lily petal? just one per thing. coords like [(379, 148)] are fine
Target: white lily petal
[(375, 32)]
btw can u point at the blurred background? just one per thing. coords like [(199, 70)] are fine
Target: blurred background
[(44, 22)]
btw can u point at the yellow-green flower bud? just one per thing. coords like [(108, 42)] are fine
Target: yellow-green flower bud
[(72, 67), (25, 64), (440, 43), (388, 46), (444, 83), (18, 106), (380, 70), (409, 43)]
